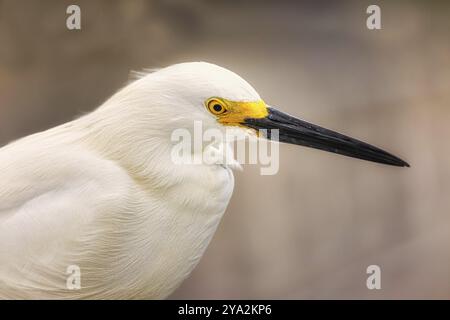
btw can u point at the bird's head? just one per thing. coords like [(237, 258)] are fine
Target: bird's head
[(221, 99)]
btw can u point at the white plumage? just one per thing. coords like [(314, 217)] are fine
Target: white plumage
[(102, 193)]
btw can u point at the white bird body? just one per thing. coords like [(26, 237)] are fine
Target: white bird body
[(128, 241)]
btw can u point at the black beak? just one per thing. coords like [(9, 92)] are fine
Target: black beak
[(296, 131)]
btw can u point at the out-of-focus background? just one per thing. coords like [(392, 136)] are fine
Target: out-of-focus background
[(311, 230)]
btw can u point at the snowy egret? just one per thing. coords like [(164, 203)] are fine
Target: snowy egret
[(101, 193)]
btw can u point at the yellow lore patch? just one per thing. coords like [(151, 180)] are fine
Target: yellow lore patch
[(233, 113)]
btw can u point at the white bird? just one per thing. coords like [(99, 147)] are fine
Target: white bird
[(102, 192)]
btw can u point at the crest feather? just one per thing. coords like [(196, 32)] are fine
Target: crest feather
[(136, 75)]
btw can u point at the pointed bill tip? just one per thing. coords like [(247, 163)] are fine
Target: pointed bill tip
[(398, 163), (406, 164)]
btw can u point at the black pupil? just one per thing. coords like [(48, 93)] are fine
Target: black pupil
[(217, 107)]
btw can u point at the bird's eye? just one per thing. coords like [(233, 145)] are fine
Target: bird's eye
[(216, 107)]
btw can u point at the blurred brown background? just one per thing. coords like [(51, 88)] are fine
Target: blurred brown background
[(311, 230)]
